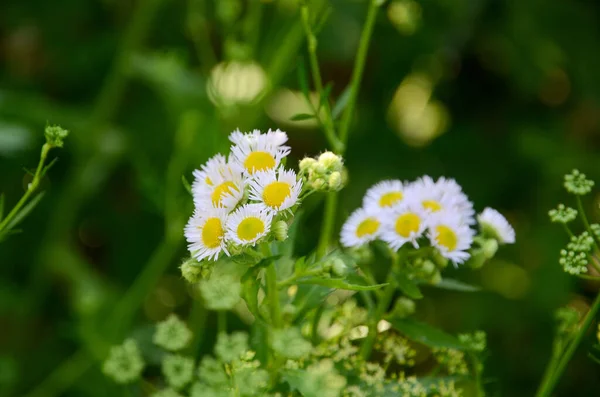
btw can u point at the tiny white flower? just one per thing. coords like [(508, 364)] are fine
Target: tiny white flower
[(205, 233), (361, 227), (225, 190), (384, 194), (258, 152), (450, 235), (248, 224), (403, 224), (277, 190), (497, 224), (441, 195), (214, 165)]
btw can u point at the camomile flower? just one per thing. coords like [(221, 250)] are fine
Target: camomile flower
[(495, 224), (205, 233), (277, 190), (450, 235), (441, 195), (403, 224), (225, 190), (361, 227), (214, 165), (384, 194), (248, 224), (256, 152)]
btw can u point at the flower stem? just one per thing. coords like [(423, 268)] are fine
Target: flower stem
[(221, 322), (273, 295), (550, 382), (328, 224)]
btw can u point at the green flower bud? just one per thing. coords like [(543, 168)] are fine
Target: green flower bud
[(172, 334), (436, 278), (490, 247), (55, 135), (428, 267), (577, 183), (562, 214), (335, 181), (211, 371), (403, 308), (318, 184), (330, 161), (280, 230), (439, 259), (338, 267), (193, 271), (477, 259), (307, 164), (124, 363), (178, 370)]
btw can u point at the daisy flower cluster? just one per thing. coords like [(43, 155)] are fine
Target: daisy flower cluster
[(243, 199), (422, 213)]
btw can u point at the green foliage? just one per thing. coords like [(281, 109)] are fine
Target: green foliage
[(124, 363), (172, 334)]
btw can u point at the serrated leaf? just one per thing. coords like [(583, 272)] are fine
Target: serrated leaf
[(342, 102), (408, 286), (25, 211), (186, 184), (456, 285), (426, 334), (302, 116), (338, 283)]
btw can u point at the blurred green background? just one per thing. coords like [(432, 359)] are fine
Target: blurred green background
[(501, 95)]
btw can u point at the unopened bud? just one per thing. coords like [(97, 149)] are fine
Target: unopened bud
[(318, 184), (335, 181), (191, 270), (439, 259), (428, 267), (280, 230), (331, 161), (490, 247), (477, 259), (403, 308), (338, 267), (307, 163), (55, 135)]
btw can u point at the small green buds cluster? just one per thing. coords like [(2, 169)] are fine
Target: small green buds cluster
[(124, 363), (172, 334), (55, 135), (221, 292), (562, 214), (322, 379), (178, 370), (581, 243), (289, 343), (326, 173), (452, 359), (230, 347), (595, 229), (194, 271), (573, 262), (477, 341), (577, 183), (396, 349)]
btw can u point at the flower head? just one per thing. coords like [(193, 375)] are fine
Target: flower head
[(450, 236), (172, 334), (441, 195), (248, 224), (215, 165), (360, 228), (219, 187), (573, 262), (55, 135), (205, 233), (497, 226), (384, 194), (562, 214), (404, 224), (577, 183), (277, 190), (256, 152)]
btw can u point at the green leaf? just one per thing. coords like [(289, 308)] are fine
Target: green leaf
[(296, 379), (25, 211), (302, 116), (342, 102), (325, 94), (338, 283), (426, 334), (250, 287), (408, 286), (186, 184), (456, 285), (303, 78)]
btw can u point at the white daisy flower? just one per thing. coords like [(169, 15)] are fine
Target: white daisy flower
[(384, 194), (361, 227), (205, 233), (441, 195), (248, 224), (225, 190), (403, 224), (258, 152), (450, 235), (496, 224), (214, 165), (277, 190)]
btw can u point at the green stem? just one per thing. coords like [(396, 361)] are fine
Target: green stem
[(273, 296), (221, 322), (548, 385), (31, 188), (328, 224), (477, 375), (359, 66), (292, 279), (315, 324)]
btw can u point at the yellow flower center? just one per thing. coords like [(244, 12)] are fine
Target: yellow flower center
[(208, 181), (407, 224), (446, 237), (432, 205), (250, 227), (275, 193), (212, 233), (367, 227), (389, 199), (259, 161), (223, 189)]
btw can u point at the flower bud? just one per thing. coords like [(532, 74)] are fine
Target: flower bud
[(439, 260), (55, 135), (477, 259), (318, 184), (330, 161), (192, 270), (338, 267), (490, 247), (335, 181), (307, 163), (428, 267), (403, 308), (280, 230)]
